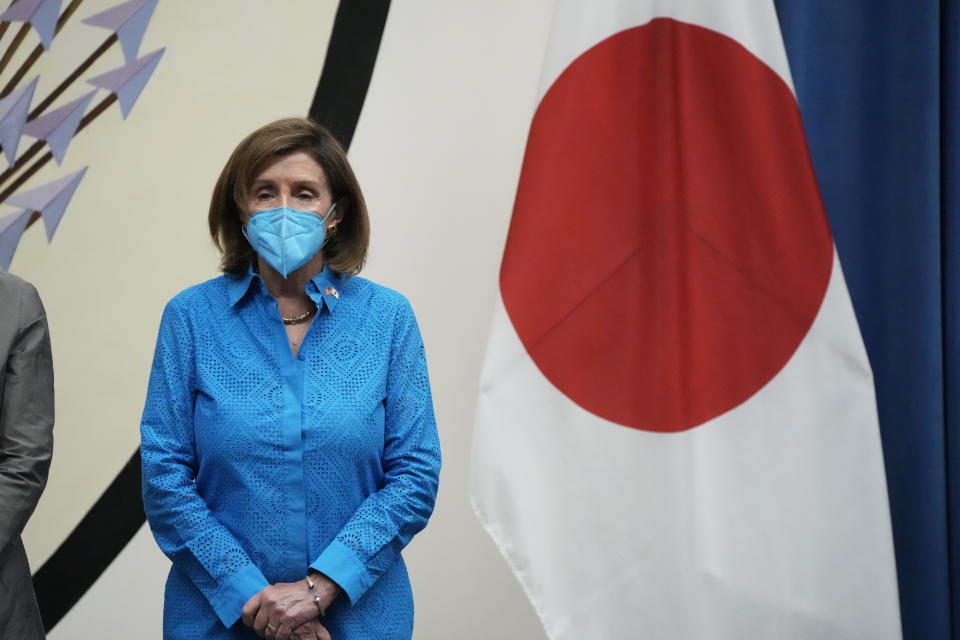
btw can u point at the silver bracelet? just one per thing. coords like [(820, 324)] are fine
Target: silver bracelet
[(316, 601)]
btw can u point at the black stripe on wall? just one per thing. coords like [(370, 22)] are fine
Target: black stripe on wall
[(117, 516), (348, 67), (91, 546)]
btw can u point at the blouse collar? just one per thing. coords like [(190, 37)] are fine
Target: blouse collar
[(323, 288)]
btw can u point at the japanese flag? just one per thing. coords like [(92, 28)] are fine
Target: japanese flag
[(676, 431)]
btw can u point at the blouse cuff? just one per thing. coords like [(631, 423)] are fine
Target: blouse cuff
[(229, 599), (340, 564)]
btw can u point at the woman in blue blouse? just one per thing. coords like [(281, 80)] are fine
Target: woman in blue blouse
[(288, 439)]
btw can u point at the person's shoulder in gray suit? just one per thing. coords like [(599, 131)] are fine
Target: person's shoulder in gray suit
[(26, 444)]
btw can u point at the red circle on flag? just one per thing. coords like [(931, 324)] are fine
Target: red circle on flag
[(668, 249)]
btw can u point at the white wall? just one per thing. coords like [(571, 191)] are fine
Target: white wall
[(437, 151)]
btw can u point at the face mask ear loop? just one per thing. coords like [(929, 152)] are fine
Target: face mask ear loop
[(329, 211)]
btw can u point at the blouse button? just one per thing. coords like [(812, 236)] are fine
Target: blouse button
[(301, 357)]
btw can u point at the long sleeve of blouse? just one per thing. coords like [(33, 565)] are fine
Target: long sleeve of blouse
[(258, 464), (386, 520), (182, 523)]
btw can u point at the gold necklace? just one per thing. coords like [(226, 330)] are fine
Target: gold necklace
[(301, 317)]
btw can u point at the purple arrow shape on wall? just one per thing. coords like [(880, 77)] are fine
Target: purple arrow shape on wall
[(58, 126), (41, 14), (128, 81), (13, 113), (49, 200), (11, 228), (129, 21)]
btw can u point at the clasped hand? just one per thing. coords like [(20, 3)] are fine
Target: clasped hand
[(287, 611)]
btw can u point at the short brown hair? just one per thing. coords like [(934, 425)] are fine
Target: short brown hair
[(346, 251)]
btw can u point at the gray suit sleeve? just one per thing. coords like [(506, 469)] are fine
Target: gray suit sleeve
[(26, 417)]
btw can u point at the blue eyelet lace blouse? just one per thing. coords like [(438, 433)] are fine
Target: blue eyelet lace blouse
[(258, 464)]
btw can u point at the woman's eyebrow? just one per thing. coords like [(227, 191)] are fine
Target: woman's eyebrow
[(298, 184), (309, 183)]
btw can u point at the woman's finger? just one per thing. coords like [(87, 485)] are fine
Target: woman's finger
[(250, 609), (260, 622)]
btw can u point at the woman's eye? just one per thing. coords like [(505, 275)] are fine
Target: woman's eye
[(305, 195), (263, 195)]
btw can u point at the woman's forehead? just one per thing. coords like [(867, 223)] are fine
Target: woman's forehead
[(298, 162), (293, 167)]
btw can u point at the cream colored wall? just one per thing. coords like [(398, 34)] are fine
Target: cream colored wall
[(437, 151)]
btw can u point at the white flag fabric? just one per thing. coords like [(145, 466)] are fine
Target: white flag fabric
[(676, 429)]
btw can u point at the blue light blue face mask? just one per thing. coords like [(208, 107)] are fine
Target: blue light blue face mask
[(286, 238)]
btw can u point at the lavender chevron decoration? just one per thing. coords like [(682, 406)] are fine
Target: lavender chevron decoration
[(13, 115), (50, 200), (58, 126), (128, 81), (129, 21), (11, 228), (41, 14)]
